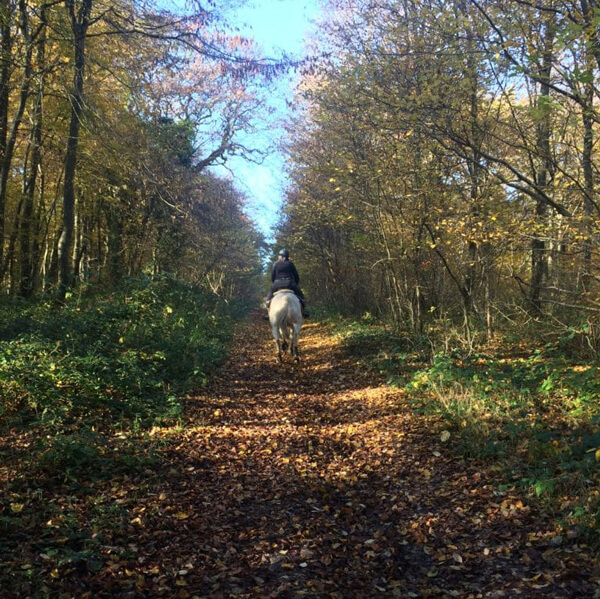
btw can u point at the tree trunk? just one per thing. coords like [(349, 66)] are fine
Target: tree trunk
[(588, 176), (80, 21), (593, 54), (474, 193), (27, 261), (6, 15), (474, 168), (10, 140), (539, 254), (114, 222)]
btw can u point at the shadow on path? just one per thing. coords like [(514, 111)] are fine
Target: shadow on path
[(316, 480)]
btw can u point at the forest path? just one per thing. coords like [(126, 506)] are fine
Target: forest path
[(317, 480)]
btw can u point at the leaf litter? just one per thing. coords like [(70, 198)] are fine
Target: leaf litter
[(309, 480)]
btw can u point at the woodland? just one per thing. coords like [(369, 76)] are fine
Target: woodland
[(441, 434)]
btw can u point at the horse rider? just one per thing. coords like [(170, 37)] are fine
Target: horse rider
[(285, 276)]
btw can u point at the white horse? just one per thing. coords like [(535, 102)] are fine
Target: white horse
[(285, 317)]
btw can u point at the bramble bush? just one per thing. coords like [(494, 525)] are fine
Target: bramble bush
[(89, 394), (108, 358)]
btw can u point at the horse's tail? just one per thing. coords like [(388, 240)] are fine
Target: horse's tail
[(285, 314)]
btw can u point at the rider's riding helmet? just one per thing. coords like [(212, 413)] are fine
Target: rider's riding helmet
[(285, 253)]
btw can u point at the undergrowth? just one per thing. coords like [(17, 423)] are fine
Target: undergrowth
[(532, 413), (86, 391), (101, 364)]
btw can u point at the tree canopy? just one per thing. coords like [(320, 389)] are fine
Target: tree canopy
[(444, 163), (111, 113)]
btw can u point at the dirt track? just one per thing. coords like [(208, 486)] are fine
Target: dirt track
[(316, 480)]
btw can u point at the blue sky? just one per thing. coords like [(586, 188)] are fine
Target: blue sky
[(277, 26)]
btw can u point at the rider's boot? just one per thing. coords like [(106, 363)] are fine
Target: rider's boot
[(305, 314)]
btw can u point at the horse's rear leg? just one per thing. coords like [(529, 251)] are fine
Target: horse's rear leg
[(294, 343), (284, 339), (275, 330)]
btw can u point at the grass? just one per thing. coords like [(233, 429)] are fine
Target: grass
[(532, 414)]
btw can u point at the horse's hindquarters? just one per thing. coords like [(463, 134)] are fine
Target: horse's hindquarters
[(285, 317)]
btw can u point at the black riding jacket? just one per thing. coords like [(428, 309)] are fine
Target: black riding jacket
[(285, 269)]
